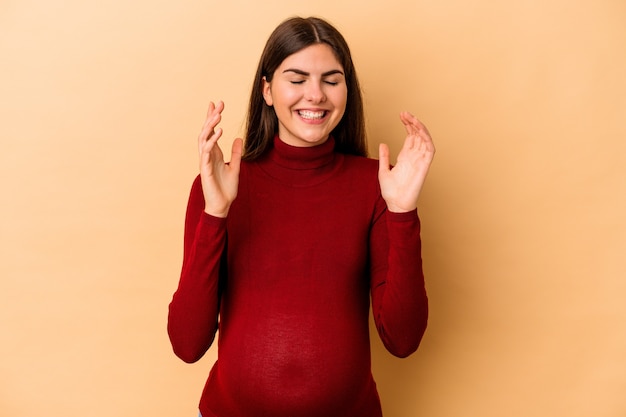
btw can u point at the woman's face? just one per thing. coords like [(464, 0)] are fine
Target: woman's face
[(308, 92)]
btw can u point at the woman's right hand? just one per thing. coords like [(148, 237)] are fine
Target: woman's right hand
[(220, 180)]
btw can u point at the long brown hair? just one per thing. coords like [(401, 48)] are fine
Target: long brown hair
[(289, 37)]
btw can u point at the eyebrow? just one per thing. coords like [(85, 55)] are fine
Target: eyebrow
[(300, 72)]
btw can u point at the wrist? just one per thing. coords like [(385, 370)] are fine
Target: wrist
[(216, 213), (398, 209)]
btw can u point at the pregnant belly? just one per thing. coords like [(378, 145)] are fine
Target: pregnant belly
[(295, 367)]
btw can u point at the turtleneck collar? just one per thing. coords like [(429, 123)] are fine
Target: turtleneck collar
[(301, 166), (296, 157)]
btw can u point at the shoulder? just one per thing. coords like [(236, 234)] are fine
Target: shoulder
[(361, 164), (362, 173), (196, 185)]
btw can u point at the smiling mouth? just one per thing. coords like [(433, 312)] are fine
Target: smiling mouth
[(312, 115)]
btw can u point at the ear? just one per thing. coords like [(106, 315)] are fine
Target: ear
[(267, 92)]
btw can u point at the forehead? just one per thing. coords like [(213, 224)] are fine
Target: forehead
[(315, 58)]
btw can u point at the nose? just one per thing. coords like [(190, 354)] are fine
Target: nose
[(315, 93)]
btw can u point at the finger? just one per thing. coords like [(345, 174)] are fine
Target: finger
[(213, 117), (383, 158), (411, 124), (424, 151), (411, 141), (208, 129), (425, 141), (206, 132), (214, 108), (210, 145), (421, 127), (212, 140), (212, 120), (412, 120), (210, 109), (210, 153), (210, 116), (235, 155), (423, 138)]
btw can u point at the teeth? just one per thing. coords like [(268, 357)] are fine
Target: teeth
[(311, 114)]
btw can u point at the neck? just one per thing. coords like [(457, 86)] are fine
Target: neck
[(301, 166)]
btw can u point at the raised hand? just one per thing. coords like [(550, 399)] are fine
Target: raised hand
[(401, 185), (220, 180)]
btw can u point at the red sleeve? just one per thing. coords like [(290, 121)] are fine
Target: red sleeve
[(399, 301), (194, 309)]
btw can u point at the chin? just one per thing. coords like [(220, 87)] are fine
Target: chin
[(316, 137), (317, 141)]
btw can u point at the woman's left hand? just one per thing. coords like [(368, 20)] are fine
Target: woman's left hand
[(401, 185)]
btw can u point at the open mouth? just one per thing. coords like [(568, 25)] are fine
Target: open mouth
[(312, 115)]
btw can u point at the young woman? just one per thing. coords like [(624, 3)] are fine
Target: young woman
[(285, 244)]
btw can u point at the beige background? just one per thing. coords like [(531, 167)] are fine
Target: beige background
[(524, 225)]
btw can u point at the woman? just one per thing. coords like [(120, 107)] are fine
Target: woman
[(287, 242)]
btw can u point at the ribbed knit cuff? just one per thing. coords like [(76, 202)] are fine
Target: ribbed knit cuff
[(402, 217)]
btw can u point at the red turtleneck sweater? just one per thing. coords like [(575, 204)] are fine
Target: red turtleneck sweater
[(289, 274)]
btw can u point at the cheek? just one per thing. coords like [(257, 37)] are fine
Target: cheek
[(280, 94), (340, 98), (289, 96)]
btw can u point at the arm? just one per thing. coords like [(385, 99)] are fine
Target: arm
[(399, 301), (194, 310)]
